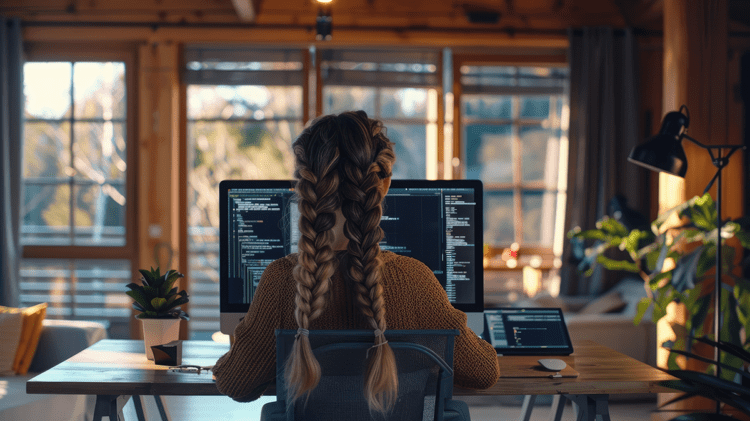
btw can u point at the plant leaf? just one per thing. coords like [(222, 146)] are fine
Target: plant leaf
[(685, 270), (139, 298), (643, 305), (704, 416), (613, 264), (158, 304), (730, 348), (710, 361)]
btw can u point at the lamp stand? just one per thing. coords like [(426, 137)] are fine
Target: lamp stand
[(719, 162)]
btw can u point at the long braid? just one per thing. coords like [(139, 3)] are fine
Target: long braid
[(364, 166), (317, 158)]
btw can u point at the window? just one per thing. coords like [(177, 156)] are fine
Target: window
[(244, 109), (513, 123), (75, 213), (401, 88)]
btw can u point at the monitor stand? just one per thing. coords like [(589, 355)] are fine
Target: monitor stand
[(475, 320)]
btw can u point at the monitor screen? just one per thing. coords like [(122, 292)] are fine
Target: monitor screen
[(436, 222)]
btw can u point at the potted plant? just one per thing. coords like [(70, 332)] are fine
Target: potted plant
[(691, 246), (159, 303)]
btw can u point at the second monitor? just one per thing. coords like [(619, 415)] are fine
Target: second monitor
[(436, 222)]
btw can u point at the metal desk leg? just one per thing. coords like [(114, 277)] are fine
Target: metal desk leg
[(141, 413), (591, 407), (528, 406), (162, 408), (558, 405), (109, 406)]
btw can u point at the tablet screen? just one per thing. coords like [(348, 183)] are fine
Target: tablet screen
[(527, 331)]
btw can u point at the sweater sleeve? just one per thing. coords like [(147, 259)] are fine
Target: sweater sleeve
[(249, 367), (475, 363)]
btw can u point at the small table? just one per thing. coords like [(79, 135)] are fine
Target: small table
[(114, 370)]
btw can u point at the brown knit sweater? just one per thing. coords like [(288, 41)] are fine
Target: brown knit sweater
[(414, 299)]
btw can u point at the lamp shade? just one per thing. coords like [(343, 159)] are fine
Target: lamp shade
[(664, 151)]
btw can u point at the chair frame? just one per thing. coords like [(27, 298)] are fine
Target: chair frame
[(363, 339)]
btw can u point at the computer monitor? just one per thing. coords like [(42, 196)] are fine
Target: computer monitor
[(436, 222)]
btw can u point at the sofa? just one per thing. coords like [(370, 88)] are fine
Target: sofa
[(59, 340)]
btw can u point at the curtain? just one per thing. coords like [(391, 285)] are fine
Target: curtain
[(11, 143), (603, 129)]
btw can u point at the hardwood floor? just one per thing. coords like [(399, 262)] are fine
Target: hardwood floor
[(481, 409)]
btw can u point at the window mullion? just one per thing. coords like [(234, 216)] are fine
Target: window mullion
[(72, 173), (517, 171)]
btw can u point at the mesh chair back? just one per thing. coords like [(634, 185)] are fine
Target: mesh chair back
[(425, 374)]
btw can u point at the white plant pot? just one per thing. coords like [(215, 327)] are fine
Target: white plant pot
[(159, 332)]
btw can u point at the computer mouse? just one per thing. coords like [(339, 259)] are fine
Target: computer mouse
[(552, 364)]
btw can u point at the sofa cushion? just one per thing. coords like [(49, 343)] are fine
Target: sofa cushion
[(61, 339), (31, 328), (610, 302), (10, 330)]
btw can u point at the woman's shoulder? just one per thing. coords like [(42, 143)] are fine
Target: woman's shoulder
[(403, 264), (282, 265)]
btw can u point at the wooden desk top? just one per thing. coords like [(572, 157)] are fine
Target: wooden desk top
[(120, 367), (601, 371)]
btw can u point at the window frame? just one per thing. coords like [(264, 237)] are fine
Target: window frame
[(434, 170), (39, 52), (493, 253)]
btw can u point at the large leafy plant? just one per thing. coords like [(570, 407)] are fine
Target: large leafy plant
[(157, 297), (691, 245)]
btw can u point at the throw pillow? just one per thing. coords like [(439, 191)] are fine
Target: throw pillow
[(31, 329), (610, 302), (10, 331)]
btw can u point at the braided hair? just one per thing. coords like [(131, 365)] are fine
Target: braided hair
[(341, 162)]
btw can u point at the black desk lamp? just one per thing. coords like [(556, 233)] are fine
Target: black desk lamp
[(664, 153)]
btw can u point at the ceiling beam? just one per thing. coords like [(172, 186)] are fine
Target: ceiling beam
[(641, 13), (245, 10)]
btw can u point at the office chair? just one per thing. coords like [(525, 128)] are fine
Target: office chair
[(425, 377)]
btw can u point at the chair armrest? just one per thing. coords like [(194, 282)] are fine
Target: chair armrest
[(61, 339)]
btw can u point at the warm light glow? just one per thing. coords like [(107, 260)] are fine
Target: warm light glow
[(532, 281), (324, 1), (511, 263), (671, 191), (220, 338), (447, 151), (562, 186), (431, 147), (535, 261), (553, 285), (3, 388), (664, 332)]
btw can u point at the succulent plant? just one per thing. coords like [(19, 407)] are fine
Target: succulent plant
[(157, 297)]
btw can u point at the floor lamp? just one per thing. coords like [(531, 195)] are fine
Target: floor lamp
[(664, 153)]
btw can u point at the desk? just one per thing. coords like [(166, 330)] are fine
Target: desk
[(601, 372), (114, 370)]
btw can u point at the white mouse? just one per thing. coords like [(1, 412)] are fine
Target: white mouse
[(552, 364)]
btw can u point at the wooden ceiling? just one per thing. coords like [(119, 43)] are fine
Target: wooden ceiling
[(521, 15), (511, 16)]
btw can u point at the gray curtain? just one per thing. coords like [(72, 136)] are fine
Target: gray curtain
[(603, 129), (11, 142)]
